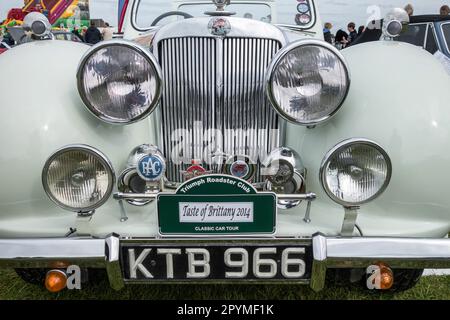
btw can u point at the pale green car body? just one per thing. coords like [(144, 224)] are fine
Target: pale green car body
[(399, 98)]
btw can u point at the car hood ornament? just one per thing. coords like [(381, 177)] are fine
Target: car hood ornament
[(220, 10), (221, 4)]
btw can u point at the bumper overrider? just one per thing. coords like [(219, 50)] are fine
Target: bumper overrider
[(327, 252)]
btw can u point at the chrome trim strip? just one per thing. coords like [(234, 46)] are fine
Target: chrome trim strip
[(319, 267), (436, 38), (447, 47), (386, 248), (154, 196), (33, 253), (113, 267), (80, 147), (407, 253), (140, 50), (280, 56), (134, 11), (343, 145)]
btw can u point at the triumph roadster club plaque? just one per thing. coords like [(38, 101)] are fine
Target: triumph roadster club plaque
[(216, 205)]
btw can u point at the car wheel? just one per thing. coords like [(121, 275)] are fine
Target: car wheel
[(404, 279), (37, 276), (32, 276)]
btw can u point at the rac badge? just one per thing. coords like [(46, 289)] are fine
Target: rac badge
[(219, 27), (151, 167)]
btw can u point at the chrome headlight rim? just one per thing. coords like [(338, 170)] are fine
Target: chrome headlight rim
[(93, 151), (140, 50), (280, 56), (345, 144)]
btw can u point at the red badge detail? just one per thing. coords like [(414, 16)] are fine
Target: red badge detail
[(194, 171)]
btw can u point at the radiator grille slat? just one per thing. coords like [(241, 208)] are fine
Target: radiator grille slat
[(215, 84)]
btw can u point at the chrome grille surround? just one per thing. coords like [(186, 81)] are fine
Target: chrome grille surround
[(213, 85)]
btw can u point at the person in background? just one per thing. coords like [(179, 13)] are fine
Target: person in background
[(341, 39), (107, 32), (248, 16), (93, 35), (76, 32), (409, 9), (352, 32), (361, 29), (327, 33), (7, 38), (445, 10), (83, 33)]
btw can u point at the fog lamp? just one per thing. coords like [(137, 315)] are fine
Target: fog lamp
[(395, 22), (78, 178), (37, 23), (355, 172)]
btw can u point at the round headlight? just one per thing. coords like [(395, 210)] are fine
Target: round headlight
[(119, 81), (355, 172), (37, 23), (78, 178), (307, 82)]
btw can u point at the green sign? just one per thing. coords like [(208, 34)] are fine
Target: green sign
[(216, 205)]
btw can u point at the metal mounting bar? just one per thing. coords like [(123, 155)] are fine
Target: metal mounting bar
[(154, 196), (349, 223)]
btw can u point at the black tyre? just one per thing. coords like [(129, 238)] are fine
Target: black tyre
[(37, 276), (404, 279), (32, 276)]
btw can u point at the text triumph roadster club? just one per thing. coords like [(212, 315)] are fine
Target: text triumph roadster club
[(209, 147)]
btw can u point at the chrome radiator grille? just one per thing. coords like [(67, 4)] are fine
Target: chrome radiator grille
[(214, 88)]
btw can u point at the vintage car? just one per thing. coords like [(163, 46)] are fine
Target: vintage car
[(431, 32), (236, 146)]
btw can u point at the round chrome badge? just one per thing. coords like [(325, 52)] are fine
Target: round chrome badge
[(194, 171), (219, 26), (151, 167), (240, 167), (302, 19)]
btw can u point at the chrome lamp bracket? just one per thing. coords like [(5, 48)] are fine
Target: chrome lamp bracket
[(348, 226), (123, 213)]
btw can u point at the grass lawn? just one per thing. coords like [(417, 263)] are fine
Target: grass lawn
[(12, 287)]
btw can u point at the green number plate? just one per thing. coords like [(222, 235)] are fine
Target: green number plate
[(217, 205)]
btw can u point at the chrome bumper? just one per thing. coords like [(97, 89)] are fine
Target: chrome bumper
[(328, 252), (49, 252)]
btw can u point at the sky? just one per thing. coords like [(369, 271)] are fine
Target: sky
[(338, 12)]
